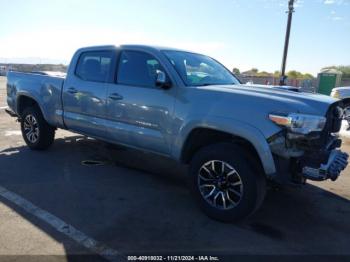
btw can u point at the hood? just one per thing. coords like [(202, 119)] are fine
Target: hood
[(280, 98), (290, 88)]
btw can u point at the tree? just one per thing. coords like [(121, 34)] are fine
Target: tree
[(293, 74), (264, 74), (276, 74), (236, 71), (344, 69), (308, 76), (254, 70)]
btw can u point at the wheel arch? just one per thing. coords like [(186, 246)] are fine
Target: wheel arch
[(346, 101), (24, 100), (248, 136)]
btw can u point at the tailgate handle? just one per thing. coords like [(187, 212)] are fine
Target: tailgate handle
[(115, 96), (72, 90)]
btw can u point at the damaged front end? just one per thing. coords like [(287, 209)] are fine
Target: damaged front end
[(307, 147)]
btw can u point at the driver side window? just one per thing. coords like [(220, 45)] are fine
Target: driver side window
[(137, 69)]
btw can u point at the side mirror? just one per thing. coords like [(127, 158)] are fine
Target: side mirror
[(161, 80)]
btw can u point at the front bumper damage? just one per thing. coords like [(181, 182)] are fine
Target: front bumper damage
[(315, 156), (336, 163)]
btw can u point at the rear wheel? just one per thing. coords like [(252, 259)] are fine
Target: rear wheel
[(36, 132), (227, 182)]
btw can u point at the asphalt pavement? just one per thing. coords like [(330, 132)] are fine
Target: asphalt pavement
[(135, 203)]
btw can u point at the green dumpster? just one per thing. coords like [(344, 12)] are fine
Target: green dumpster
[(327, 80)]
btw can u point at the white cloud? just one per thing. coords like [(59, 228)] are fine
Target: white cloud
[(337, 2), (337, 18), (334, 16), (299, 3)]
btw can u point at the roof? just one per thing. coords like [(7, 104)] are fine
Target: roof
[(97, 47), (154, 47), (331, 71), (131, 46)]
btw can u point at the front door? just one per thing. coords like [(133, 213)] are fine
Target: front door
[(139, 114)]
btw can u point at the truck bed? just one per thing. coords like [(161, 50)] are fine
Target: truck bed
[(41, 86)]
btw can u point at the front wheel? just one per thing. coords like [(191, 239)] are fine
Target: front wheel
[(226, 181), (36, 132)]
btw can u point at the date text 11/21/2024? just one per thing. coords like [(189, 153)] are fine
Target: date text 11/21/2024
[(173, 258)]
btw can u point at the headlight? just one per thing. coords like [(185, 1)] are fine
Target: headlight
[(299, 123)]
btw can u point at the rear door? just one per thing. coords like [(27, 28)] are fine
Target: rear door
[(139, 113), (85, 92)]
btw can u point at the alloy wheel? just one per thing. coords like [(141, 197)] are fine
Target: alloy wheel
[(31, 128), (220, 184)]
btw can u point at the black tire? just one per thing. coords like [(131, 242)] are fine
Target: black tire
[(45, 133), (252, 185)]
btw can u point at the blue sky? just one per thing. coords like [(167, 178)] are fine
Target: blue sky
[(239, 33)]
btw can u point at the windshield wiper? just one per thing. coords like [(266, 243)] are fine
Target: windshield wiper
[(206, 84), (214, 84)]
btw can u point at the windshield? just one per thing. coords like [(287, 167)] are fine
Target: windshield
[(200, 70)]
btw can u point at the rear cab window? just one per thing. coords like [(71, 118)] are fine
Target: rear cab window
[(96, 66)]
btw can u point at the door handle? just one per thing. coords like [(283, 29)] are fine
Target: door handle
[(115, 96), (72, 90)]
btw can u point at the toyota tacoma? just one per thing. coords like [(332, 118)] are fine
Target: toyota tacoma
[(188, 107)]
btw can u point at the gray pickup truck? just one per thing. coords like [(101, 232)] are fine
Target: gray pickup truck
[(190, 108)]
